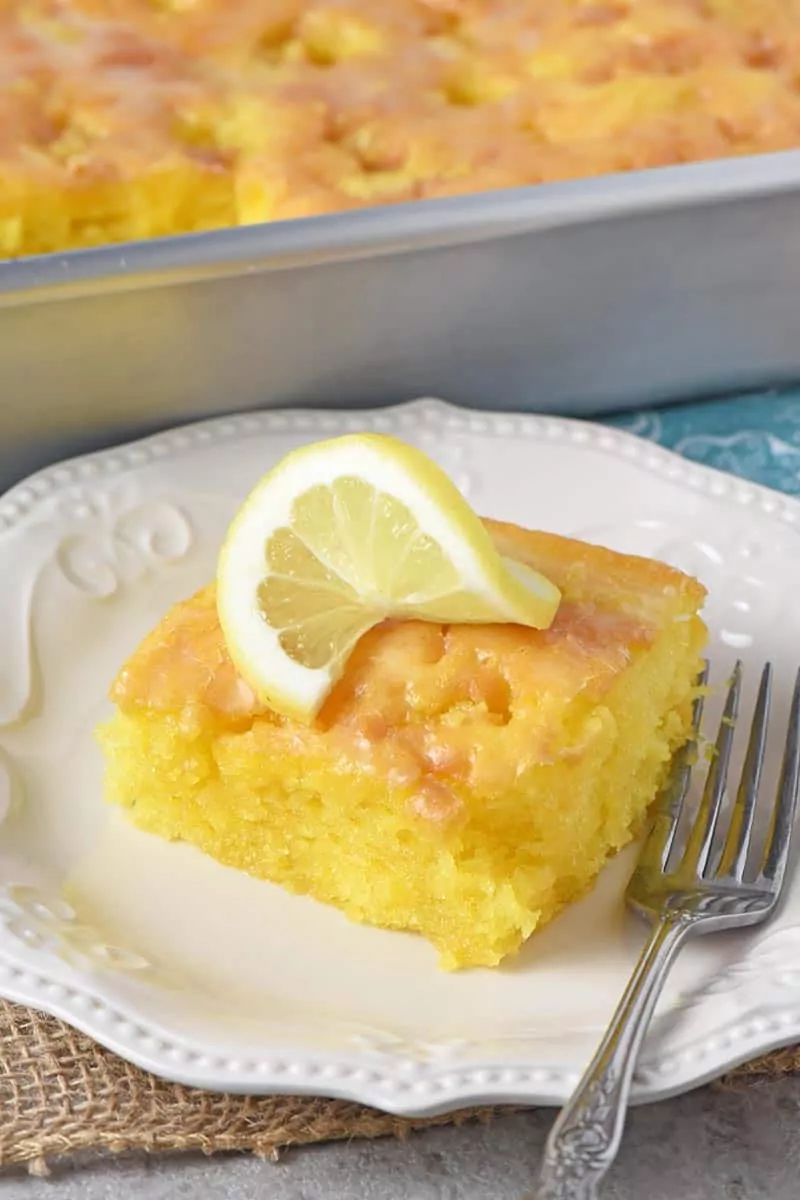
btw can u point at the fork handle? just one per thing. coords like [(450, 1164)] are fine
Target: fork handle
[(584, 1140)]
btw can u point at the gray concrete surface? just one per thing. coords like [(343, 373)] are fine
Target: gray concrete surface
[(710, 1145)]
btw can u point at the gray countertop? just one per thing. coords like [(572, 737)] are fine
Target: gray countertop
[(710, 1145)]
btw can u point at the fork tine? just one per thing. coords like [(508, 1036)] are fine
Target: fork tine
[(776, 853), (701, 838), (657, 848), (737, 843)]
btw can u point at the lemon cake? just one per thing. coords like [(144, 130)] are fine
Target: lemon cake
[(126, 119), (464, 781)]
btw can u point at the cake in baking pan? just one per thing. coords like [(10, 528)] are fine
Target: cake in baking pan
[(128, 119)]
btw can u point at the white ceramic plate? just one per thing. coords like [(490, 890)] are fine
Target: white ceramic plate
[(208, 977)]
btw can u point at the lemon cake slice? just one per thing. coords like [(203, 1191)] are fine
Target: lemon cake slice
[(461, 780)]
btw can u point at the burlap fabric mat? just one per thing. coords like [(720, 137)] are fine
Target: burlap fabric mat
[(61, 1093)]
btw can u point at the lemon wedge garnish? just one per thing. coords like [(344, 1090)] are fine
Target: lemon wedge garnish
[(338, 537)]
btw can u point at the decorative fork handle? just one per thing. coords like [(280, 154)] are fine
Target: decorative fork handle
[(584, 1140)]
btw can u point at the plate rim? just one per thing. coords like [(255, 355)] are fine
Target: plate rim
[(398, 1085), (24, 496)]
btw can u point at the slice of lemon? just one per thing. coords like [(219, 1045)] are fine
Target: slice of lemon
[(341, 535)]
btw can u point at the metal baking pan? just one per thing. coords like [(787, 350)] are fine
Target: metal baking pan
[(578, 297)]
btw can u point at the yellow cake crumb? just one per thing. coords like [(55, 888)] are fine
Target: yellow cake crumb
[(465, 782)]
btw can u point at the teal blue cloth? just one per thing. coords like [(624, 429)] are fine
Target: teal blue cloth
[(755, 436)]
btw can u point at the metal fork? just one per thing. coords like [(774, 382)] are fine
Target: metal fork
[(681, 891)]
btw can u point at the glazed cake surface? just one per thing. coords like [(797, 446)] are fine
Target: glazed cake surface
[(464, 782), (127, 119)]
